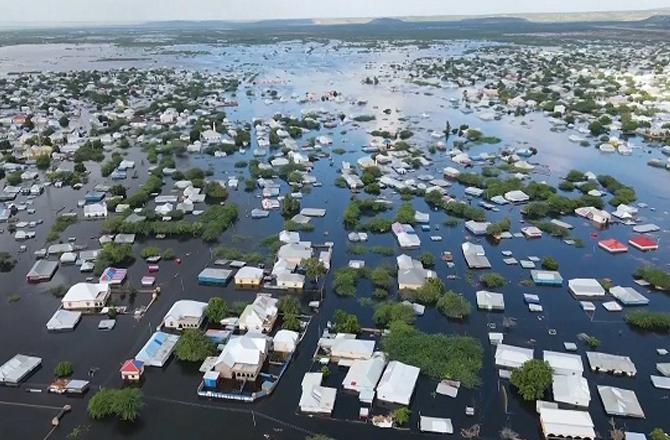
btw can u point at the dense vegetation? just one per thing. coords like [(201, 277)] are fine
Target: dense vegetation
[(533, 379), (124, 404), (439, 356), (652, 321)]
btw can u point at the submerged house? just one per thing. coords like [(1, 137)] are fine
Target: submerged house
[(397, 383), (411, 274), (364, 374), (249, 276), (475, 256), (259, 316), (157, 350), (566, 423), (86, 296), (243, 357), (18, 368), (185, 314), (316, 398)]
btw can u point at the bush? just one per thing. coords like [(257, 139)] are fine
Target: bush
[(453, 305), (217, 309), (401, 416), (345, 281), (656, 277), (492, 280), (150, 251), (438, 356), (64, 369), (168, 254), (385, 314), (380, 294), (289, 305), (653, 321), (346, 322), (429, 293), (428, 260), (194, 346), (532, 379), (658, 434), (550, 263), (124, 404), (381, 276), (7, 262)]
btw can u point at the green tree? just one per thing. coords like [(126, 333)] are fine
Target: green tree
[(430, 292), (43, 161), (346, 322), (7, 262), (64, 121), (532, 379), (216, 191), (406, 214), (492, 280), (314, 268), (550, 263), (453, 305), (385, 314), (194, 346), (290, 207), (124, 404), (289, 305), (427, 259), (217, 309), (401, 416), (64, 369), (658, 434)]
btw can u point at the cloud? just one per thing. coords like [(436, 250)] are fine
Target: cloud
[(158, 10)]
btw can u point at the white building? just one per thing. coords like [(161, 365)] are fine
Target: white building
[(316, 398), (397, 383), (185, 314), (259, 316), (82, 296), (249, 276), (510, 356), (363, 375), (243, 357), (95, 210)]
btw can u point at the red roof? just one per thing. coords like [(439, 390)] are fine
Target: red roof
[(643, 243), (132, 366), (613, 245)]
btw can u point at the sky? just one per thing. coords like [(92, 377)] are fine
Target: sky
[(114, 11)]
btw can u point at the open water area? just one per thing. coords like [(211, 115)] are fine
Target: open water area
[(174, 411)]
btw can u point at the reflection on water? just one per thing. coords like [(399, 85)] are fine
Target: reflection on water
[(173, 411)]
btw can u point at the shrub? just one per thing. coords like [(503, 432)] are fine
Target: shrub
[(401, 416), (194, 346), (492, 280), (385, 314), (532, 379), (124, 404), (64, 369), (453, 305), (653, 321), (216, 310), (346, 322), (550, 263), (439, 356)]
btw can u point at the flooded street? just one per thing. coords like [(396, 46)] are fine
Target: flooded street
[(173, 410)]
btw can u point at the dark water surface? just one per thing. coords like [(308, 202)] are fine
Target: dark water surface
[(173, 411)]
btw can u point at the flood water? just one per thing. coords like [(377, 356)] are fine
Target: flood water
[(173, 411)]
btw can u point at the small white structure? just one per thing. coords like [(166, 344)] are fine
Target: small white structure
[(611, 363), (17, 368), (629, 296), (316, 398), (516, 196), (397, 383), (95, 210), (63, 320), (564, 364), (259, 316), (620, 402), (349, 348), (363, 375), (436, 425), (571, 390), (490, 300), (585, 287), (285, 341), (83, 296), (249, 276), (185, 314), (510, 356), (566, 423)]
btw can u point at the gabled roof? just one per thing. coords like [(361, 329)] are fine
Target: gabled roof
[(132, 366)]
